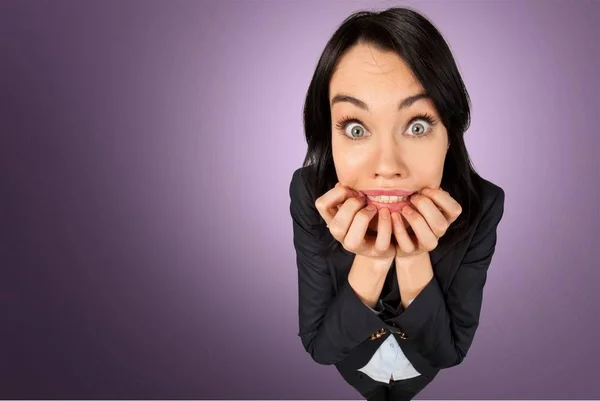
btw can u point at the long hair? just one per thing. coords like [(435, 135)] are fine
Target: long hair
[(419, 44)]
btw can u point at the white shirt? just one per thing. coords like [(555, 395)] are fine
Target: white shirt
[(389, 362)]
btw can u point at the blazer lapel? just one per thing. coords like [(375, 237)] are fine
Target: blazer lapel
[(444, 245)]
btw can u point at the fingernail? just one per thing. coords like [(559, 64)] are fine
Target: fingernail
[(408, 210), (371, 208)]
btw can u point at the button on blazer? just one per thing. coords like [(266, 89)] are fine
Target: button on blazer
[(434, 332)]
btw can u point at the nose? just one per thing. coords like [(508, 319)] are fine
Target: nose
[(389, 161)]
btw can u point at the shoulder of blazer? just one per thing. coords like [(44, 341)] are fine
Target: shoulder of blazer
[(297, 190), (300, 198), (484, 237), (493, 201)]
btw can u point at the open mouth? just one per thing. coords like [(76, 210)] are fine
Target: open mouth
[(393, 205), (388, 199)]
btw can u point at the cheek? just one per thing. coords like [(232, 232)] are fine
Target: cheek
[(348, 168), (430, 174), (348, 158), (437, 168)]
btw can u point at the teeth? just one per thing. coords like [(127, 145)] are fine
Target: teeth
[(387, 199)]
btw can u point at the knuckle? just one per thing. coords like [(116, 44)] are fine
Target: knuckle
[(432, 245), (351, 244), (355, 202), (337, 233), (335, 228), (440, 230), (435, 196), (363, 215), (319, 203), (380, 247)]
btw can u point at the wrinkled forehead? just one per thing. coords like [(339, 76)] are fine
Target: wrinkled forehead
[(378, 78)]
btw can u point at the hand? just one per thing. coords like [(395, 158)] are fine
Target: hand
[(347, 219), (436, 210)]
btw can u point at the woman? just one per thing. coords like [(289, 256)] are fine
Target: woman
[(393, 229)]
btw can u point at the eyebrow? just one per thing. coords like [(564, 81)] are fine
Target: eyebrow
[(342, 97)]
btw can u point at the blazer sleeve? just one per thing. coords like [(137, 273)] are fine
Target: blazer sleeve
[(330, 325), (379, 306), (444, 327)]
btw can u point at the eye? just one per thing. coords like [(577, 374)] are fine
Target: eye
[(356, 131), (420, 126), (352, 128)]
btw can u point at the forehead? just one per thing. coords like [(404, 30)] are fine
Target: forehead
[(373, 75)]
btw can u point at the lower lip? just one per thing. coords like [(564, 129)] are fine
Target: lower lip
[(393, 207)]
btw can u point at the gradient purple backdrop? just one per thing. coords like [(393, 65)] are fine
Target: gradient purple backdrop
[(146, 149)]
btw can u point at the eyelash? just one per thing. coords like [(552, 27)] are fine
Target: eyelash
[(345, 121)]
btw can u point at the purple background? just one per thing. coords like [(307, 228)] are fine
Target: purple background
[(146, 150)]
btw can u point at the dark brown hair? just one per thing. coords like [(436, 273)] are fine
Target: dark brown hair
[(422, 47)]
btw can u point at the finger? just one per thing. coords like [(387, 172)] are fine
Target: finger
[(438, 223), (448, 205), (342, 220), (355, 237), (326, 204), (425, 236), (404, 241), (384, 230)]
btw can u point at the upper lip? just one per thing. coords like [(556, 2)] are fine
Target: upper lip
[(388, 192)]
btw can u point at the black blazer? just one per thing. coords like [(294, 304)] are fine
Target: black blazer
[(434, 332)]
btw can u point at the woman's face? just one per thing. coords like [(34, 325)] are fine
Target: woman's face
[(388, 146)]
